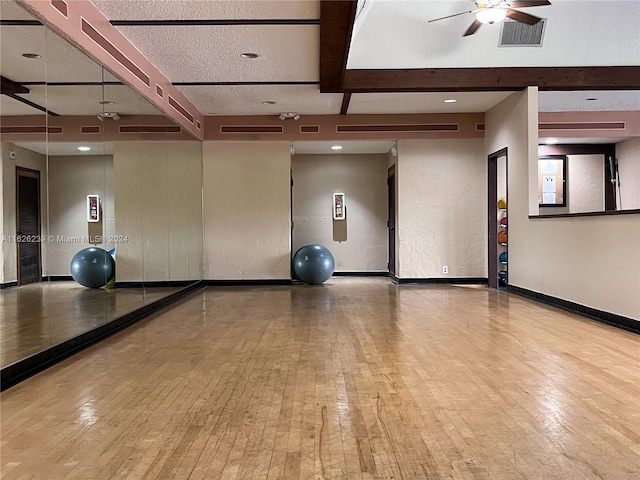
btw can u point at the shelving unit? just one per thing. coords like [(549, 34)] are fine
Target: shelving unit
[(503, 278)]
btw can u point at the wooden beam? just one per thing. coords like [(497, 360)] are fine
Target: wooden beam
[(492, 79), (336, 25), (346, 98), (10, 87)]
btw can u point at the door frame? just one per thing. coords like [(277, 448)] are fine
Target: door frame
[(391, 229), (492, 200), (28, 173)]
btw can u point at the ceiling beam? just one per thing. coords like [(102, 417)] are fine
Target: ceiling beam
[(10, 87), (492, 79), (336, 25)]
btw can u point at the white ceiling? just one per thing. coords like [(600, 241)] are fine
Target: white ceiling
[(395, 34), (208, 9), (349, 147), (576, 101), (67, 148)]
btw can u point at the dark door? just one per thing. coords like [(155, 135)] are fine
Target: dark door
[(28, 225), (391, 183)]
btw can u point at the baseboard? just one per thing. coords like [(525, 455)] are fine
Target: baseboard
[(256, 282), (27, 367), (57, 278), (8, 285), (601, 316), (155, 284), (442, 280), (361, 274)]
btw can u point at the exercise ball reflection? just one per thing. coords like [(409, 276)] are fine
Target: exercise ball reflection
[(313, 264), (92, 267)]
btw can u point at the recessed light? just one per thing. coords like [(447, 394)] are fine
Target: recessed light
[(551, 141), (336, 147), (31, 55), (249, 55), (591, 99), (450, 100), (107, 102), (268, 102), (84, 148)]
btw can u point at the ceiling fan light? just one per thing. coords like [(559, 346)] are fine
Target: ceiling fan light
[(491, 15)]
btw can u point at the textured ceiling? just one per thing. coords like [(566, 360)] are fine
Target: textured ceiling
[(392, 33), (212, 53), (68, 148), (350, 147), (208, 9)]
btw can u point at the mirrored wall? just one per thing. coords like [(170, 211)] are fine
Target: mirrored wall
[(101, 215)]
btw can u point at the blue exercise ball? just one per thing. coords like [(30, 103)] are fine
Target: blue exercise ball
[(92, 267), (313, 264), (503, 257)]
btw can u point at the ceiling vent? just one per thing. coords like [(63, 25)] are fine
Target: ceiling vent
[(517, 34)]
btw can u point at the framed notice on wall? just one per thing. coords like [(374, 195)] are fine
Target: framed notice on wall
[(339, 212), (552, 173)]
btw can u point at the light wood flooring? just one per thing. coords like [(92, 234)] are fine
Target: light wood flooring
[(354, 379), (36, 316)]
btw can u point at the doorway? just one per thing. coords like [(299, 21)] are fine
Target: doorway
[(28, 236), (391, 184), (497, 219)]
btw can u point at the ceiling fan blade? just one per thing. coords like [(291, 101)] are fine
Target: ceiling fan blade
[(522, 17), (528, 3), (473, 28), (450, 16)]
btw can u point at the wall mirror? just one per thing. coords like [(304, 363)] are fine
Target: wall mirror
[(63, 142)]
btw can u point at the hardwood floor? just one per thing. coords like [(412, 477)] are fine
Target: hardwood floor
[(357, 378), (36, 316)]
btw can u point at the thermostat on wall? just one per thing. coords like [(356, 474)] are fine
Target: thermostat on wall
[(93, 208)]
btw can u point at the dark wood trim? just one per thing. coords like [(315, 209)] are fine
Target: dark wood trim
[(606, 149), (346, 98), (213, 23), (241, 283), (9, 86), (27, 367), (8, 285), (601, 316), (32, 104), (155, 284), (565, 183), (28, 173), (489, 79), (492, 219), (20, 23), (578, 149), (381, 273), (57, 278), (336, 25), (443, 281), (73, 84), (223, 84), (588, 214)]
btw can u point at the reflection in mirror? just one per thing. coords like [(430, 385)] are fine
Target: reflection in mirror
[(147, 193), (596, 132)]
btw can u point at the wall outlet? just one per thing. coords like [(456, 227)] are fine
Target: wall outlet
[(445, 269)]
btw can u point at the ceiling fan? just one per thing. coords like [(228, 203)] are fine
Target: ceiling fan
[(493, 11)]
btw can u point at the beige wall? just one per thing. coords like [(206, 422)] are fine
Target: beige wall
[(34, 161), (158, 211), (593, 261), (247, 213), (441, 209), (628, 153), (71, 179), (358, 243)]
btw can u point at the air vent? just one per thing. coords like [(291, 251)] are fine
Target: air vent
[(517, 34)]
